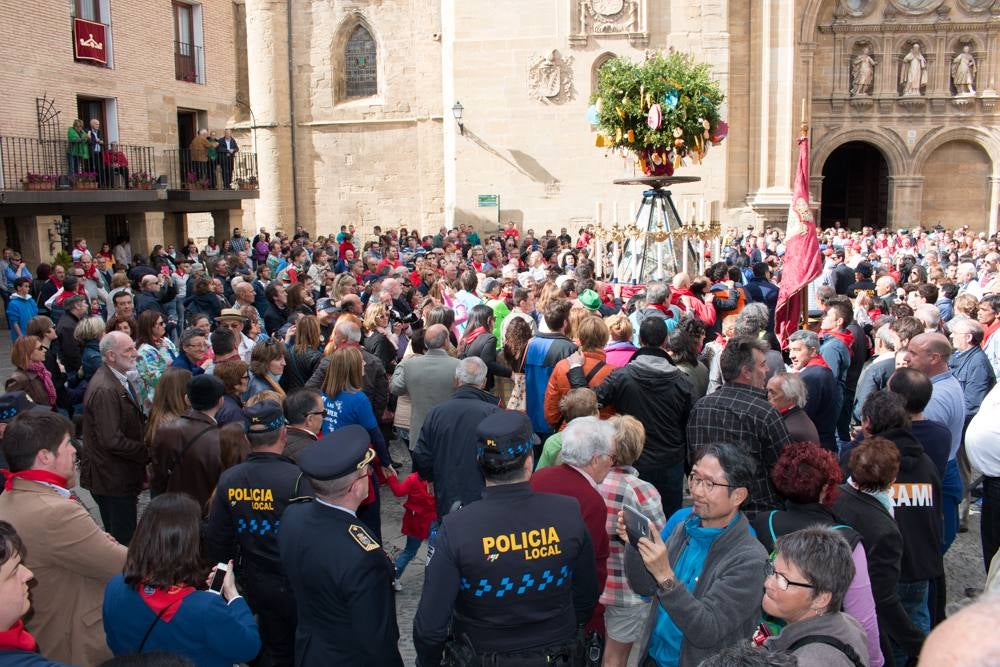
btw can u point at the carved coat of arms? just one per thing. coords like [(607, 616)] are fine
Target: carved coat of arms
[(550, 78)]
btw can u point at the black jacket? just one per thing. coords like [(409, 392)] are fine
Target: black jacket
[(274, 318), (379, 344), (823, 403), (70, 353), (884, 550), (300, 367), (485, 347), (207, 303), (346, 611), (917, 501), (655, 392), (769, 526), (445, 453), (252, 494), (551, 589), (146, 301)]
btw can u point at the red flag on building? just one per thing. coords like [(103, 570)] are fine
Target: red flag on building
[(803, 261), (90, 41)]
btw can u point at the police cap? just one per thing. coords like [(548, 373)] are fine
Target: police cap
[(339, 454), (263, 417), (504, 436)]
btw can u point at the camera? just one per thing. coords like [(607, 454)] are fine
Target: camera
[(410, 319)]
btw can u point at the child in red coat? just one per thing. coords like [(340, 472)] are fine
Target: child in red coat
[(420, 513)]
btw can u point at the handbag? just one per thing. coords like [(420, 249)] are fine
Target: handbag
[(519, 392)]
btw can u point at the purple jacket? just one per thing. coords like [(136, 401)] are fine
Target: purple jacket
[(619, 353)]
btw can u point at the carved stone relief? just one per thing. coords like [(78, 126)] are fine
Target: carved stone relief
[(856, 8), (976, 6), (916, 7), (608, 18), (550, 78)]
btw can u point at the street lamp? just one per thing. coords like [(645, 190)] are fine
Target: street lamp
[(457, 112)]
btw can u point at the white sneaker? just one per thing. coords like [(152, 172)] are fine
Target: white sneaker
[(397, 585)]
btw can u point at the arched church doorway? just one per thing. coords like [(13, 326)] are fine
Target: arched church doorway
[(855, 187)]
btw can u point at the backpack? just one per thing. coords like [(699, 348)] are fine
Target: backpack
[(843, 647)]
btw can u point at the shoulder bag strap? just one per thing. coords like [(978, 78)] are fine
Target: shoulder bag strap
[(152, 625), (770, 526), (833, 642), (180, 457), (594, 371)]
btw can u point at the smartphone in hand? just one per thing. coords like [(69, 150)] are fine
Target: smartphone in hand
[(217, 578), (636, 524)]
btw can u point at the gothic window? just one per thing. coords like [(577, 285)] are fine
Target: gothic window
[(360, 63)]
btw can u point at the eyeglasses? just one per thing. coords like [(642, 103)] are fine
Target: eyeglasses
[(316, 413), (782, 581), (159, 324), (707, 484)]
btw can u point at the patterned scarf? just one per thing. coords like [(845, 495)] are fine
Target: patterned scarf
[(43, 372)]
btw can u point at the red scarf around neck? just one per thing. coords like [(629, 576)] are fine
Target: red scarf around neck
[(845, 337), (17, 639), (35, 476), (471, 336), (818, 361), (158, 599)]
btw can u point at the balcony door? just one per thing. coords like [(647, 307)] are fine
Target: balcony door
[(90, 107), (185, 56)]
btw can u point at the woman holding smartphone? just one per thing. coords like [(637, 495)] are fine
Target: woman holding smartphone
[(160, 602)]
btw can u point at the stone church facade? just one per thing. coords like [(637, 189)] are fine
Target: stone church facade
[(352, 109)]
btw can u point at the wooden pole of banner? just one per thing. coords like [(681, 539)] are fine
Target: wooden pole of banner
[(804, 292)]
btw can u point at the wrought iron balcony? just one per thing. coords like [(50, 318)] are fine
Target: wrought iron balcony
[(34, 164)]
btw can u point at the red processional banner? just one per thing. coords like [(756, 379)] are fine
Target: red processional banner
[(90, 41)]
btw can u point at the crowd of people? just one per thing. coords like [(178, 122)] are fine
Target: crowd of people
[(598, 473)]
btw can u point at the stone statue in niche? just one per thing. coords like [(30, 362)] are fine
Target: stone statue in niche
[(862, 73), (913, 73), (550, 78), (963, 72)]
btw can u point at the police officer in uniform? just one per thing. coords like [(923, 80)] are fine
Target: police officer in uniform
[(513, 573), (243, 521), (341, 578)]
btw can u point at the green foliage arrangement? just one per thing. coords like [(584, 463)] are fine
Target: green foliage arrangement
[(663, 110)]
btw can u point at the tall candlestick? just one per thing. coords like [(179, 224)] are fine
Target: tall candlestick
[(597, 214)]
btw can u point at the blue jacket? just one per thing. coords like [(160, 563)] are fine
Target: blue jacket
[(204, 628), (764, 291), (974, 372), (544, 351), (182, 361), (21, 311), (837, 357), (91, 358), (10, 658)]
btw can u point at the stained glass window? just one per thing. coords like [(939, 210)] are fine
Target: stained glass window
[(361, 74)]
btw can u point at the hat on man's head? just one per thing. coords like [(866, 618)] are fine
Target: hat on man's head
[(327, 303), (504, 437), (204, 391), (589, 299), (14, 403), (347, 450), (263, 417), (230, 314)]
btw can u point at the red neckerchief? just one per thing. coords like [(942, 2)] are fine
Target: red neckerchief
[(845, 337), (785, 411), (56, 282), (721, 340), (818, 361), (158, 599), (679, 292), (91, 273), (663, 309), (471, 336), (34, 476), (478, 268), (17, 639)]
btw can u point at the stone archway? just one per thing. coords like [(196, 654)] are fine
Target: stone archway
[(855, 187)]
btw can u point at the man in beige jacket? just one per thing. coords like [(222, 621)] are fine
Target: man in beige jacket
[(72, 559)]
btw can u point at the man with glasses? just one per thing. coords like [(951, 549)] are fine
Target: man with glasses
[(193, 348), (152, 297), (304, 413), (706, 570), (345, 607)]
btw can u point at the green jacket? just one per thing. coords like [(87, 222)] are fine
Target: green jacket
[(77, 143)]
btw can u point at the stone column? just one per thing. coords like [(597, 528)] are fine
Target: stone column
[(267, 59), (33, 232), (775, 108), (994, 204), (905, 201), (145, 231), (227, 219)]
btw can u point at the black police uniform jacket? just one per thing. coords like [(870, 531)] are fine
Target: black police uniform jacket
[(243, 519), (342, 582), (517, 568)]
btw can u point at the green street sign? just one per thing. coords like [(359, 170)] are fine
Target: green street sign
[(489, 201)]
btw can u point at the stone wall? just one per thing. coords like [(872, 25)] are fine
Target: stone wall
[(956, 186)]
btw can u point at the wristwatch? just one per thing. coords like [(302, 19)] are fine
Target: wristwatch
[(668, 584)]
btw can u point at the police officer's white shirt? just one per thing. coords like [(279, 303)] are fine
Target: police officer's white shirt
[(336, 507)]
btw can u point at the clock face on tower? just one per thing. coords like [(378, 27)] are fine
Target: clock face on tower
[(608, 7)]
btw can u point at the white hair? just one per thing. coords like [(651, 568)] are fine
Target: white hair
[(929, 315), (110, 343), (471, 371), (349, 330), (586, 437), (793, 387)]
